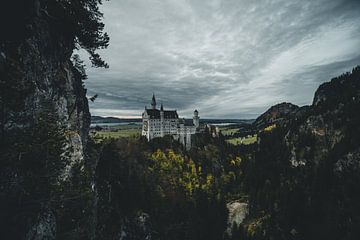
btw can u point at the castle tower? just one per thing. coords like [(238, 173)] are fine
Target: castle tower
[(153, 102), (162, 122), (196, 119)]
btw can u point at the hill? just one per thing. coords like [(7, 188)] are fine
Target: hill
[(276, 114), (303, 182), (98, 119), (299, 180)]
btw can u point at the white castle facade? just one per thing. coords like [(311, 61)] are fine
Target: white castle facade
[(160, 122)]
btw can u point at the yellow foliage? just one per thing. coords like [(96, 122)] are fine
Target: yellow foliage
[(270, 128), (70, 133), (175, 172), (236, 161), (209, 179), (256, 224)]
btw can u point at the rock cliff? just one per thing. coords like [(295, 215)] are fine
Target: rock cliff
[(44, 123)]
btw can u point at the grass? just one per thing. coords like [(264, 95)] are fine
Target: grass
[(246, 141), (228, 131), (270, 128), (120, 131), (125, 131)]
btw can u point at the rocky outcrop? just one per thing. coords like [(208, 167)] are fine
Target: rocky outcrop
[(329, 122), (39, 85), (137, 227), (238, 211), (44, 227)]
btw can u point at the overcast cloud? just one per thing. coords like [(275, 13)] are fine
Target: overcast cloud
[(228, 59)]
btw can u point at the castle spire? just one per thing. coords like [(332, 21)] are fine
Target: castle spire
[(162, 107), (153, 102)]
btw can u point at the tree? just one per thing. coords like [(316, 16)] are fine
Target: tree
[(79, 21)]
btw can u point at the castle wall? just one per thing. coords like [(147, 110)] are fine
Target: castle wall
[(157, 125)]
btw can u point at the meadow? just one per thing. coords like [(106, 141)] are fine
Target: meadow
[(232, 132), (243, 140), (118, 131)]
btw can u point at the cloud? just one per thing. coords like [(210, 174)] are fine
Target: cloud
[(226, 58)]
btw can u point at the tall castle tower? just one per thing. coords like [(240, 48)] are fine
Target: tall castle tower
[(153, 102), (196, 119), (162, 122)]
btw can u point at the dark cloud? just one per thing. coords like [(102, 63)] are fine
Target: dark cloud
[(227, 58)]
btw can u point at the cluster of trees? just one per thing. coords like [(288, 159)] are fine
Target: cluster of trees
[(184, 193), (76, 21), (318, 199), (33, 180)]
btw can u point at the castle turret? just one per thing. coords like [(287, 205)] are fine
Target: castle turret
[(162, 121), (196, 119), (153, 102)]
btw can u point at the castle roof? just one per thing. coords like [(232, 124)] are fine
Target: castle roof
[(155, 113), (153, 102), (187, 122)]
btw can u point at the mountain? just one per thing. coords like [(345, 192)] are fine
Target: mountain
[(303, 182), (300, 180), (276, 114), (98, 119)]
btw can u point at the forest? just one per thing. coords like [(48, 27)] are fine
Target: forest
[(298, 177)]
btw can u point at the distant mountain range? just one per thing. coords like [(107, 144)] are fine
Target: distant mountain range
[(99, 119)]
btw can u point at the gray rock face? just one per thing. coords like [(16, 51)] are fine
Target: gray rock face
[(136, 228), (349, 162), (237, 213), (331, 120), (36, 75), (44, 228)]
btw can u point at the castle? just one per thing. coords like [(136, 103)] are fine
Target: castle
[(160, 122)]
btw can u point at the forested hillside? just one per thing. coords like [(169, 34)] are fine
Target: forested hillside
[(302, 183), (157, 190), (298, 179)]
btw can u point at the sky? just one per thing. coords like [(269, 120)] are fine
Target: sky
[(226, 58)]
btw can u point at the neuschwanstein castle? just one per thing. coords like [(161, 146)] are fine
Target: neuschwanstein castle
[(160, 122)]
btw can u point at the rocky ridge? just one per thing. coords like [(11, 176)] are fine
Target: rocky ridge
[(308, 169), (39, 85)]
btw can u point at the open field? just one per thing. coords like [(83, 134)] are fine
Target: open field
[(226, 131), (229, 130), (118, 131), (246, 141), (231, 134)]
